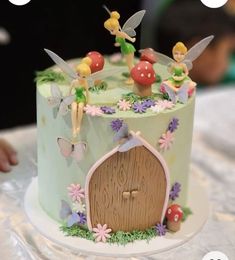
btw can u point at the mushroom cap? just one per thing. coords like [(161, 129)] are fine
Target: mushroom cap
[(174, 213), (97, 59), (149, 55), (143, 73)]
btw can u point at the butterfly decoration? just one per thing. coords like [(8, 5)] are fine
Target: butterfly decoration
[(127, 140), (68, 70), (191, 55), (57, 100), (181, 95), (69, 149), (132, 23), (67, 213)]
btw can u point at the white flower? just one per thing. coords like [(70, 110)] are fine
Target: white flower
[(79, 207), (157, 108)]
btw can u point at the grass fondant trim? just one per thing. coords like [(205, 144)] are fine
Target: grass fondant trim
[(120, 237), (49, 75)]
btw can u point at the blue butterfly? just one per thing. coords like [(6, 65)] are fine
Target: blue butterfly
[(67, 213), (181, 95), (127, 140)]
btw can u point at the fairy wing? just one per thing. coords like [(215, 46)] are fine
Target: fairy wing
[(196, 51), (129, 144), (65, 210), (133, 22), (62, 64), (171, 93), (183, 93), (56, 96), (73, 219), (66, 148), (106, 73), (78, 151), (122, 133), (64, 105)]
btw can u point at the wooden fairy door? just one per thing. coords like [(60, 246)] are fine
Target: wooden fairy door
[(127, 191)]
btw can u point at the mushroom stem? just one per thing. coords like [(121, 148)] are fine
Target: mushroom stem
[(142, 91), (173, 226)]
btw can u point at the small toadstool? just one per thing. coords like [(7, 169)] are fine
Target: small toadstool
[(174, 216), (97, 59), (149, 55), (144, 76)]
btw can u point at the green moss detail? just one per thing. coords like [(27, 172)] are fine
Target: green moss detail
[(77, 231), (102, 86), (49, 76), (126, 74), (120, 237), (187, 212), (132, 97), (158, 78)]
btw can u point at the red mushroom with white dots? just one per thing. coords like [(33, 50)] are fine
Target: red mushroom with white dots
[(149, 55), (144, 76), (97, 61), (174, 215)]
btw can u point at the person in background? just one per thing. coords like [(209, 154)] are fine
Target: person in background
[(8, 156), (189, 22)]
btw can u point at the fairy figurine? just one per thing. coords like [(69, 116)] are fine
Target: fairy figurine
[(80, 79), (127, 32), (179, 84)]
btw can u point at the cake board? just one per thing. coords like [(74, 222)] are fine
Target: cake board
[(48, 227)]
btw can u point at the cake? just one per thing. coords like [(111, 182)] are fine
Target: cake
[(121, 173)]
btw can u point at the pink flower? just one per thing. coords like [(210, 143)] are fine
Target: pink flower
[(165, 104), (166, 140), (190, 91), (162, 89), (124, 105), (101, 233), (76, 192), (93, 110)]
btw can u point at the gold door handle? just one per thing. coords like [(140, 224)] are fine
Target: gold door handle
[(134, 193), (126, 194)]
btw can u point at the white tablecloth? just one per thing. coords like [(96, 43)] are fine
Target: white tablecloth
[(213, 156)]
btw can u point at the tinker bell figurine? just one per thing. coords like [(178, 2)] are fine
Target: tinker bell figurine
[(80, 85), (179, 85), (123, 34)]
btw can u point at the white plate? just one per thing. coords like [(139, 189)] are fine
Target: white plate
[(198, 202)]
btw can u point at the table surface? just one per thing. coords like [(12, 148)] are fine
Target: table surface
[(213, 161)]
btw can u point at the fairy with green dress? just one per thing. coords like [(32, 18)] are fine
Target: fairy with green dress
[(179, 86), (127, 32), (80, 80)]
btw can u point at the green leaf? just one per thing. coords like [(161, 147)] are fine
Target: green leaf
[(186, 212)]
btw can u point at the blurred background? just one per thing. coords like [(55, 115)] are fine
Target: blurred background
[(74, 28)]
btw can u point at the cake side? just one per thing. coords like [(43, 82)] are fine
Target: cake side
[(56, 173)]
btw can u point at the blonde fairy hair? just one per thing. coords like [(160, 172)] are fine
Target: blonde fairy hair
[(112, 23), (180, 47), (83, 68)]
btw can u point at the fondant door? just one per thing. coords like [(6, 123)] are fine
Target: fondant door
[(127, 191)]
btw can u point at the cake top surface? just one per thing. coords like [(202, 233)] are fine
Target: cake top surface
[(115, 91)]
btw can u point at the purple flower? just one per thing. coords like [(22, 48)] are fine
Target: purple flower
[(108, 110), (139, 108), (148, 103), (160, 229), (116, 124), (175, 190), (82, 218), (173, 124)]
